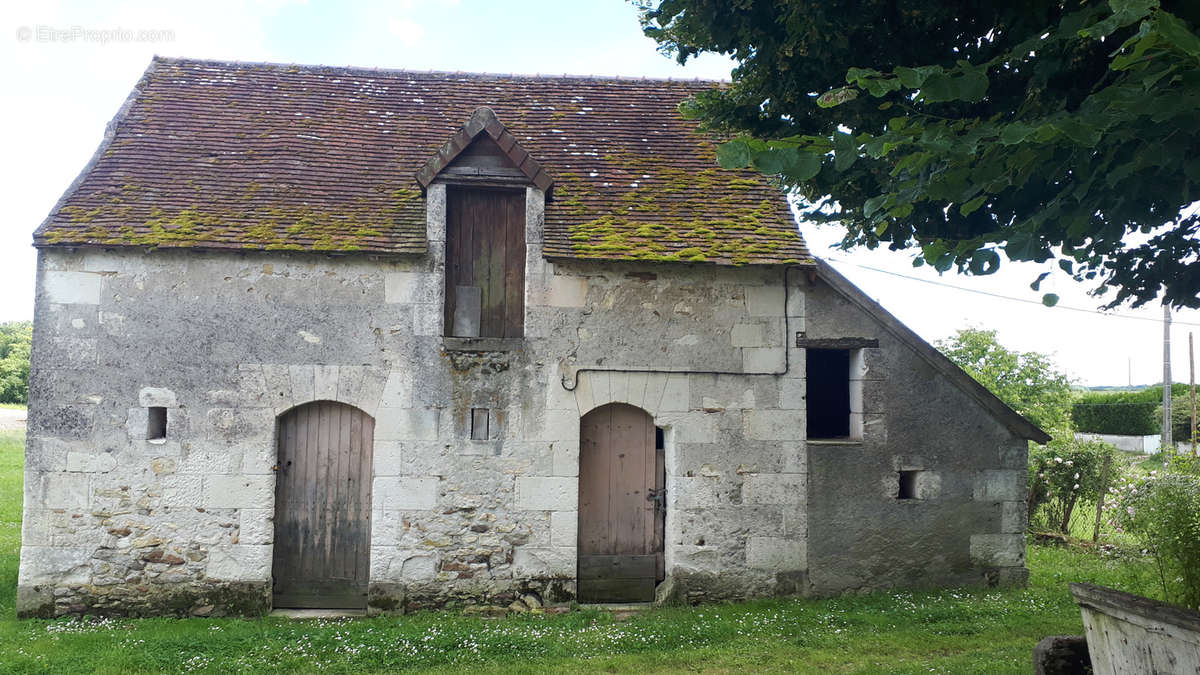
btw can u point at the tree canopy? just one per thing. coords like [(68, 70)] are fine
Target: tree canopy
[(1040, 130), (1028, 382), (16, 338)]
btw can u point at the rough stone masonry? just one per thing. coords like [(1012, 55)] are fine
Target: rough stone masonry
[(228, 342)]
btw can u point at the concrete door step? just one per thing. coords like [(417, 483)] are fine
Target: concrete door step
[(318, 613)]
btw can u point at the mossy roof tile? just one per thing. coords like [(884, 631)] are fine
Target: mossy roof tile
[(216, 155)]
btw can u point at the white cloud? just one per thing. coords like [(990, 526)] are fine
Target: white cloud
[(408, 31)]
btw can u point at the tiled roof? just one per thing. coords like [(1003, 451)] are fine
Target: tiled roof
[(219, 155)]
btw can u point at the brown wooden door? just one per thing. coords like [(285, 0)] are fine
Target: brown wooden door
[(621, 506), (323, 507), (485, 250)]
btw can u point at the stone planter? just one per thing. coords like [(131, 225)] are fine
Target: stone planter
[(1130, 634)]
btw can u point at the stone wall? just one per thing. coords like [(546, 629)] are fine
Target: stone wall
[(227, 342), (966, 521)]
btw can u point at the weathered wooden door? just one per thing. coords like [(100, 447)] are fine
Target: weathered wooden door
[(485, 262), (621, 505), (323, 507)]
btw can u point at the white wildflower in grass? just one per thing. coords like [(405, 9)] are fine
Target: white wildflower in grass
[(1058, 460)]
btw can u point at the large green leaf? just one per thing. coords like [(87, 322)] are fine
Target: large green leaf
[(845, 151), (1175, 32), (802, 164), (984, 261), (836, 97), (734, 154), (973, 205)]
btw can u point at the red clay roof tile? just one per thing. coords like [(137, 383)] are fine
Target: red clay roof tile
[(215, 155)]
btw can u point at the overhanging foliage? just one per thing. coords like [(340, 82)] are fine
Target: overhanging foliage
[(1033, 130)]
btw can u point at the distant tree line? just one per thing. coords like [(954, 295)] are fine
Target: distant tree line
[(16, 338)]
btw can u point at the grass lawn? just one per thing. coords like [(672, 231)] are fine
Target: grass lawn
[(958, 631), (13, 406)]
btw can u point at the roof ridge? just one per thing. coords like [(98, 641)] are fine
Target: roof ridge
[(367, 70)]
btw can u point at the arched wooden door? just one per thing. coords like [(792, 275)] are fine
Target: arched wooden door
[(323, 507), (621, 505)]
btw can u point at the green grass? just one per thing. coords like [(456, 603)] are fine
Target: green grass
[(955, 631), (13, 406)]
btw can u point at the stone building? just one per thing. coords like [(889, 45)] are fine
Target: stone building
[(327, 337)]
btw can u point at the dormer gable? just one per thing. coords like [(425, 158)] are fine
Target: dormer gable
[(483, 150)]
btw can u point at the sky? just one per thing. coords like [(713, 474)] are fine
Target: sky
[(72, 64)]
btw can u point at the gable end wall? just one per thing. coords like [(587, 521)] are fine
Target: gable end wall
[(967, 526)]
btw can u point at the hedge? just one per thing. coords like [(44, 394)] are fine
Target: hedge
[(1126, 413)]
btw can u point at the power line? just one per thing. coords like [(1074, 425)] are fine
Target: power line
[(1007, 297)]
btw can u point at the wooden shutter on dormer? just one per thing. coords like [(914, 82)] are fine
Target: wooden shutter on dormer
[(485, 262)]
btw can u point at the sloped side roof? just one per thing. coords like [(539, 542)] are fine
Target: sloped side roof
[(1011, 419), (257, 156)]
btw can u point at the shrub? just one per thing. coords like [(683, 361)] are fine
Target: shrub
[(15, 340), (1181, 417), (1162, 511), (1061, 474)]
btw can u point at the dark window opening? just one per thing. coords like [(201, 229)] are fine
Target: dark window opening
[(479, 424), (828, 392), (659, 438), (485, 263), (156, 423), (908, 485)]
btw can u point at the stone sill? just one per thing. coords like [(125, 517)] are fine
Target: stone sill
[(835, 441), (482, 344)]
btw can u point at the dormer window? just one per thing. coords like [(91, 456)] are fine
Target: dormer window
[(485, 262), (486, 173)]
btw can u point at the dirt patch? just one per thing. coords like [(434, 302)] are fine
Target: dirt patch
[(12, 420)]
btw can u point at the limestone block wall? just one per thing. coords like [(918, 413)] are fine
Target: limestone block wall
[(225, 343), (965, 522)]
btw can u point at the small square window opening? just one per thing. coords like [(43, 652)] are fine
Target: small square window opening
[(908, 485), (479, 424), (156, 423)]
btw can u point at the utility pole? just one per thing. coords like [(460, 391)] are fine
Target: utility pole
[(1168, 445), (1192, 388)]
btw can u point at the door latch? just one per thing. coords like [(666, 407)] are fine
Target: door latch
[(659, 497)]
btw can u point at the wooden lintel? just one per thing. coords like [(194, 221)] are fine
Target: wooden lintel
[(474, 180), (836, 343)]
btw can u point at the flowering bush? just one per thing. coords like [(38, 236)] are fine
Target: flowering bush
[(1162, 511), (1061, 473)]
